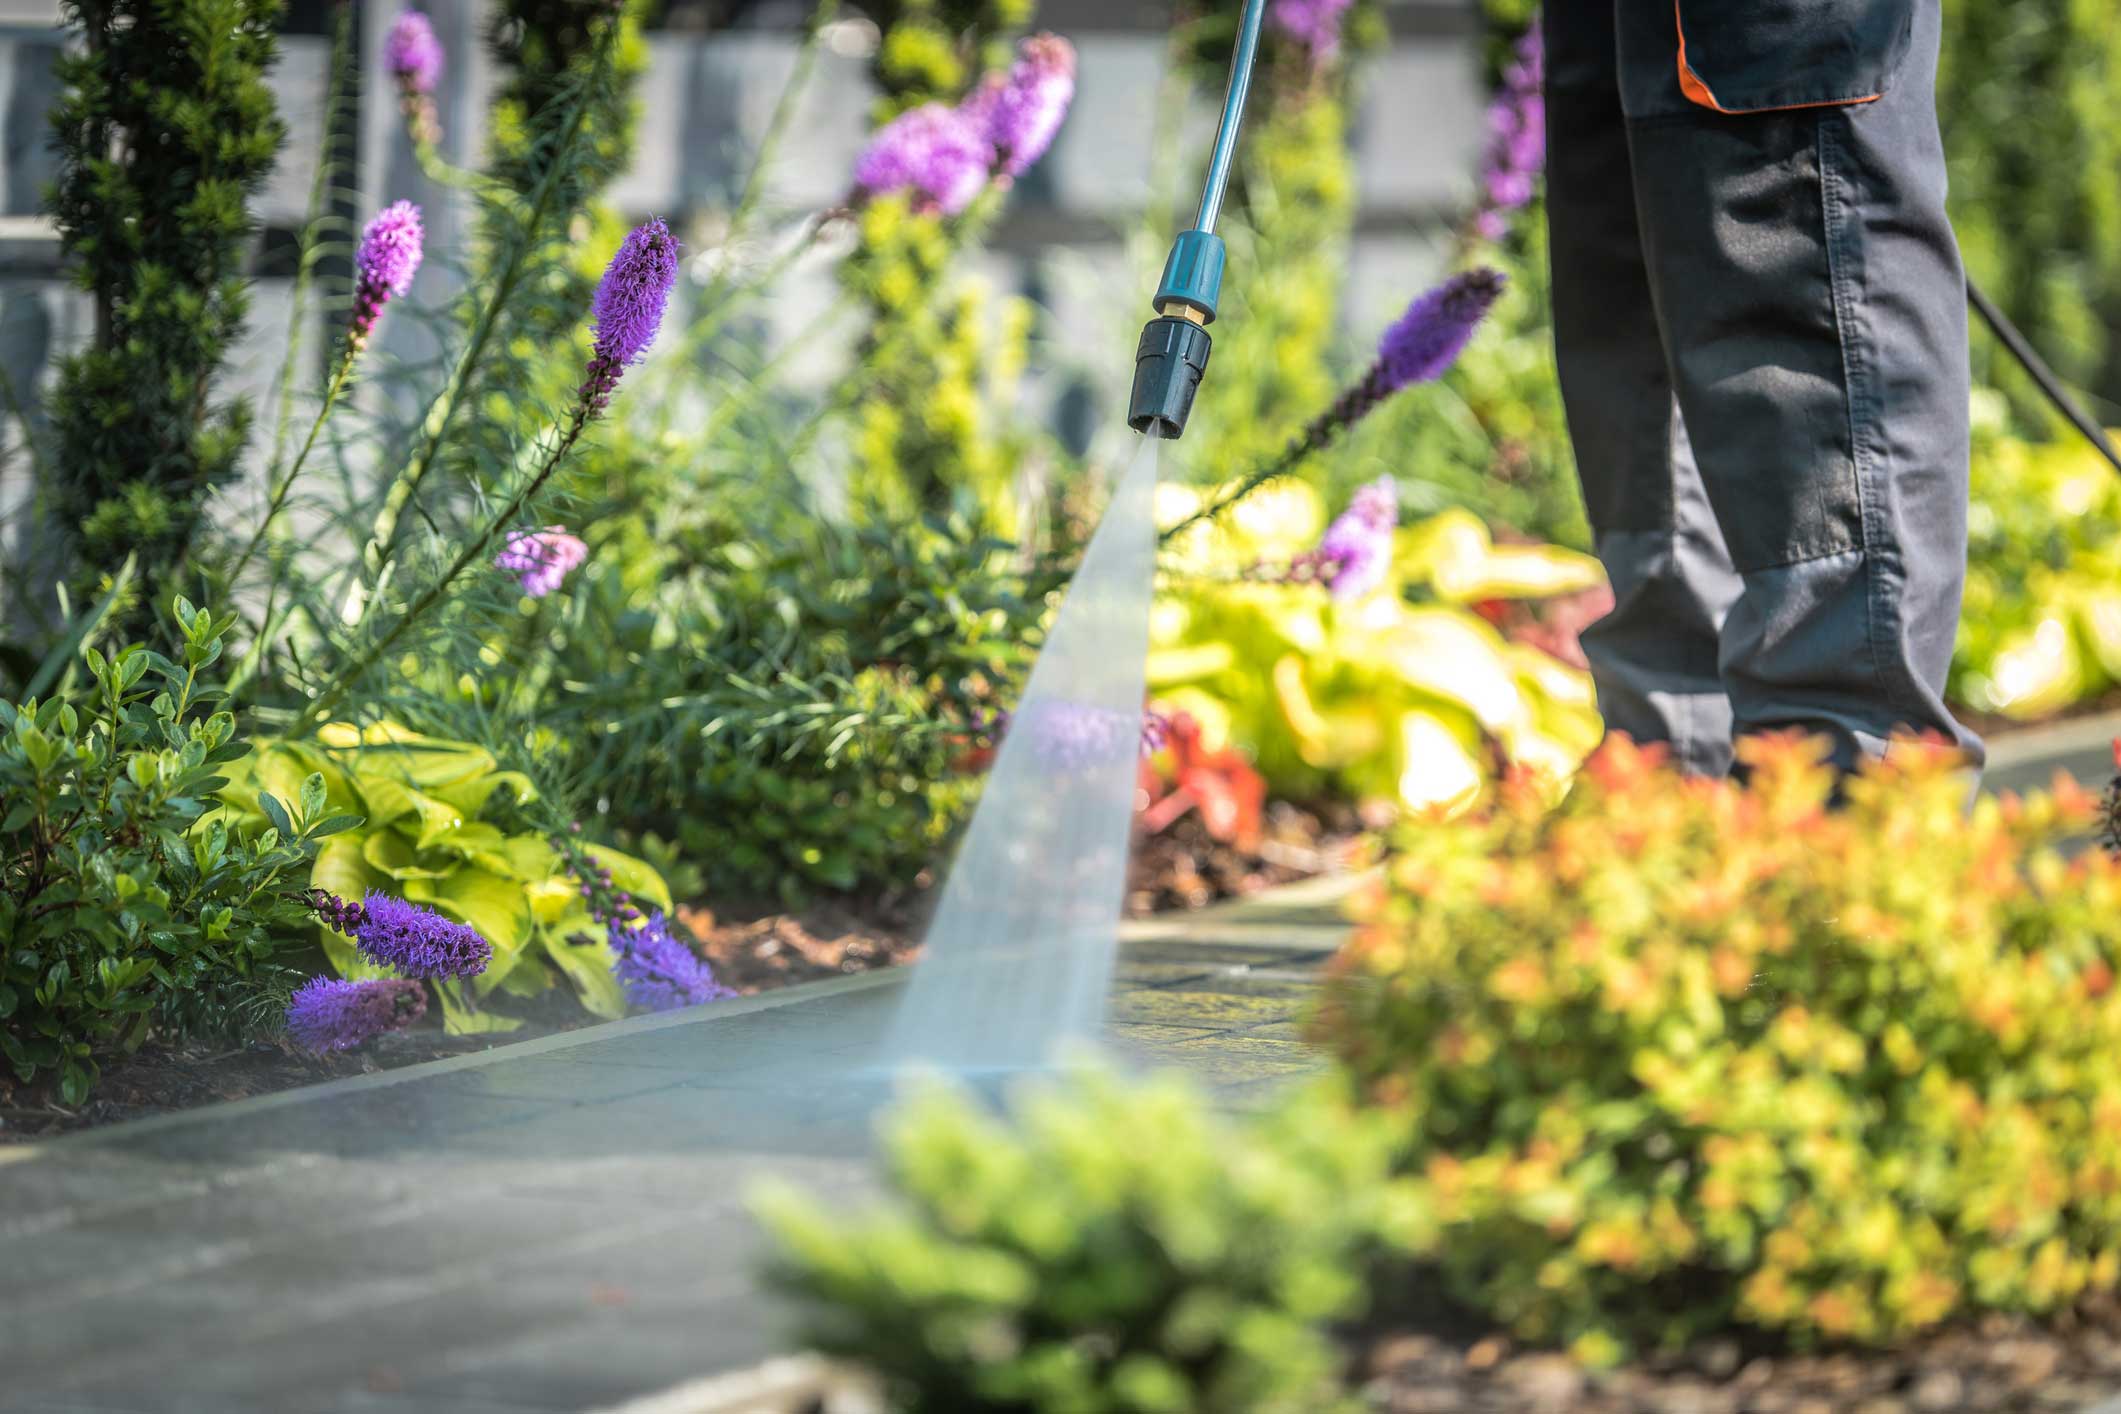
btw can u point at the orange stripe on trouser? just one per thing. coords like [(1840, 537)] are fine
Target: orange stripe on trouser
[(1698, 92)]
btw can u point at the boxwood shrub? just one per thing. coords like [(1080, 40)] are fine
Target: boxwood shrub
[(1117, 1247), (1683, 1054)]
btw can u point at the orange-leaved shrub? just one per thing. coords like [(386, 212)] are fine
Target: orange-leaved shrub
[(1681, 1054)]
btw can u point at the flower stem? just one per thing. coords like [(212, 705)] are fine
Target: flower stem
[(383, 533), (473, 550), (1316, 437), (286, 483)]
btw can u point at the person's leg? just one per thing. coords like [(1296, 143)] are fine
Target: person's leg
[(1790, 182), (1655, 655)]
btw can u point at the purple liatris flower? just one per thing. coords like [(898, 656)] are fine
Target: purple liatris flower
[(627, 309), (1428, 338), (1315, 24), (542, 558), (659, 972), (412, 53), (384, 264), (1356, 550), (1021, 112), (328, 1014), (1517, 138), (417, 941), (941, 154)]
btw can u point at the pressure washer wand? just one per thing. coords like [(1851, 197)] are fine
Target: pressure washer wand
[(1173, 353)]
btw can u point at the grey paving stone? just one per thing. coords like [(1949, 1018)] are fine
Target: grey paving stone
[(555, 1225)]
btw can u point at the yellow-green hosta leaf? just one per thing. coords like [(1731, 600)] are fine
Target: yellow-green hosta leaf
[(386, 749), (530, 858), (530, 977), (1170, 666), (461, 1016), (550, 899), (1437, 770), (1450, 654), (635, 876), (472, 794), (1456, 557), (478, 843), (389, 852), (587, 964)]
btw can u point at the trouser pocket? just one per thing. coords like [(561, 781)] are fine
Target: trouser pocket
[(1762, 56)]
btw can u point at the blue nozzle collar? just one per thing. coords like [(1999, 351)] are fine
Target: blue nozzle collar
[(1194, 273)]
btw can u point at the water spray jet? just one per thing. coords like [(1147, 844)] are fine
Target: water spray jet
[(1173, 352)]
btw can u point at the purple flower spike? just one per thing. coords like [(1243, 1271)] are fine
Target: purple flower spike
[(1517, 138), (627, 310), (1022, 112), (1435, 329), (1315, 24), (1356, 550), (659, 971), (412, 53), (542, 558), (418, 942), (939, 153), (328, 1014), (388, 258)]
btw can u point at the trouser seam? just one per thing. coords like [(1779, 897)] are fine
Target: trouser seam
[(1855, 377)]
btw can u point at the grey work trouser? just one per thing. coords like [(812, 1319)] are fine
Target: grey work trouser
[(1760, 318)]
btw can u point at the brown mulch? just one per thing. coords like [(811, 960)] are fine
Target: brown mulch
[(1997, 1365), (1184, 867), (760, 953)]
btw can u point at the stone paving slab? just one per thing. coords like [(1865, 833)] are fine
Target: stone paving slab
[(555, 1225)]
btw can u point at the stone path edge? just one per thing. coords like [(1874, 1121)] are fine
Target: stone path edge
[(1315, 893)]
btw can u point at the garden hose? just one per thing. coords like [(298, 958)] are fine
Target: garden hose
[(2044, 377), (1174, 347)]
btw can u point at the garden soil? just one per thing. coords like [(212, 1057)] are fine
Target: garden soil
[(1998, 1365)]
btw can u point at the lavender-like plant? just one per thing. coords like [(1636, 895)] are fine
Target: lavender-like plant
[(628, 309), (414, 941), (541, 559), (1021, 112), (941, 154), (1356, 550), (1517, 138), (384, 265), (659, 972), (1314, 24), (1418, 348), (332, 1014), (415, 59)]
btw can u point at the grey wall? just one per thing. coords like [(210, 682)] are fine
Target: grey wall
[(1417, 132)]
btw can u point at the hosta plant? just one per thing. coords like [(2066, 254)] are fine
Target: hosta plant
[(119, 900), (1403, 694), (1681, 1053), (1117, 1246), (439, 832)]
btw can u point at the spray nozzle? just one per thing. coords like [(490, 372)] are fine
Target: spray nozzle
[(1173, 352), (1168, 363)]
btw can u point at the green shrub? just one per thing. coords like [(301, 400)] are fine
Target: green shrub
[(808, 737), (116, 899), (1119, 1248), (1684, 1053), (2041, 625), (165, 130), (2038, 219)]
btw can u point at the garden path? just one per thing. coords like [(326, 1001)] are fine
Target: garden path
[(554, 1225)]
